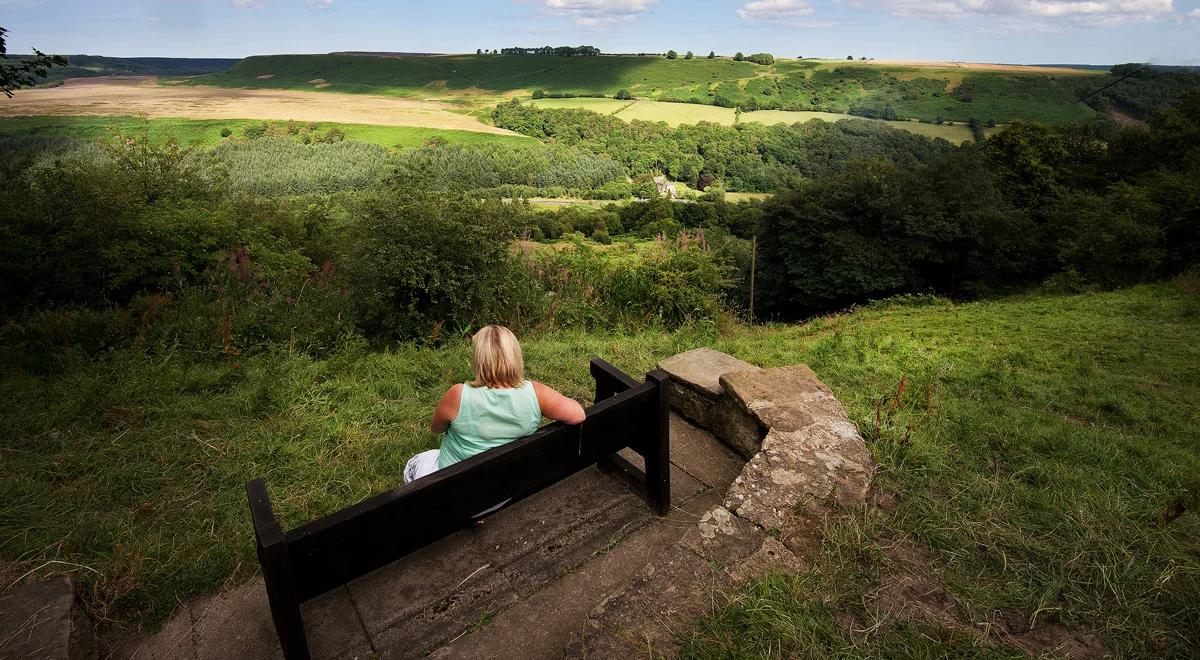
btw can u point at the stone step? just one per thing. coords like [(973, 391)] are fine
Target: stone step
[(43, 620)]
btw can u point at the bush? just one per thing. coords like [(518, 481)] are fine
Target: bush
[(424, 264), (624, 95), (764, 59), (225, 132), (672, 55), (539, 94)]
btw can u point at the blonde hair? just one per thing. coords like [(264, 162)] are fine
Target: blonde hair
[(497, 359)]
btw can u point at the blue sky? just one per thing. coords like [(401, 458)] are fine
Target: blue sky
[(1016, 31)]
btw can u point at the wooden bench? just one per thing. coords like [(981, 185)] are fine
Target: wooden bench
[(303, 563)]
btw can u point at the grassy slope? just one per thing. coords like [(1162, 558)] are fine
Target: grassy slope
[(917, 92), (207, 132), (1060, 429)]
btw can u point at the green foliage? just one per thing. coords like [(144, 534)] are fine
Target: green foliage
[(689, 55), (422, 264), (1105, 207), (738, 57), (751, 157), (764, 59), (1139, 90), (712, 54), (672, 55), (624, 95)]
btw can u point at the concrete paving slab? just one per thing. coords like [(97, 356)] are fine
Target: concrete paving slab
[(542, 625), (40, 620)]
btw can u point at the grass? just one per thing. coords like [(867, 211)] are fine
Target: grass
[(691, 113), (207, 132), (818, 85), (1059, 434)]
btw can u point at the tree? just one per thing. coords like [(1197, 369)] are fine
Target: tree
[(689, 55), (539, 94), (479, 51), (26, 72), (739, 57), (624, 95), (712, 54), (672, 54), (849, 57), (765, 59)]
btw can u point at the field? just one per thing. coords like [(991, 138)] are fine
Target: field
[(690, 113), (955, 92), (1039, 443), (142, 96), (207, 132)]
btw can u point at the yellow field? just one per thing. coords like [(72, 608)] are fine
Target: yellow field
[(690, 113)]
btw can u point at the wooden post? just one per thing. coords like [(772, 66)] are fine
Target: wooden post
[(753, 259), (658, 454), (277, 573)]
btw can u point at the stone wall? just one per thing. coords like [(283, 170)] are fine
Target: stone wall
[(806, 462)]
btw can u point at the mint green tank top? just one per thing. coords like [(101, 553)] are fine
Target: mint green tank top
[(489, 417)]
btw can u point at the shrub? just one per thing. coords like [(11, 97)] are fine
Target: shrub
[(672, 55), (764, 59), (539, 94), (225, 132)]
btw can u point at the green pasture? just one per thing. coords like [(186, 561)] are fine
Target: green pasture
[(1035, 450), (690, 113), (817, 85), (207, 132)]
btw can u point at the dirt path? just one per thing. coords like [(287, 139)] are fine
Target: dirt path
[(142, 95)]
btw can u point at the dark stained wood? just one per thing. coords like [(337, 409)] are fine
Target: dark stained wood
[(309, 560), (609, 379), (273, 556)]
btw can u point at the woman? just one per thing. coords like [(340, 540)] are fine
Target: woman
[(498, 407)]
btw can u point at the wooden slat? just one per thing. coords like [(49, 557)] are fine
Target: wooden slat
[(609, 379), (350, 543)]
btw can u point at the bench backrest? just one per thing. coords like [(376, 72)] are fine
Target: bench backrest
[(304, 562)]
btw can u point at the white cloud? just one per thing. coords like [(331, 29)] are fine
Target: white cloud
[(1195, 13), (1033, 14), (596, 12), (775, 10), (319, 4)]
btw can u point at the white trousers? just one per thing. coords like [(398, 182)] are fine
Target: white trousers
[(420, 465)]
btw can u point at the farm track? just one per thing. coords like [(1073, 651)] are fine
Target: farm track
[(144, 96)]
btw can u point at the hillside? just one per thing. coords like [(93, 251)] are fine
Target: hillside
[(1038, 442), (88, 66), (895, 90)]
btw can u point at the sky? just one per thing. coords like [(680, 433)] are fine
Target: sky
[(1007, 31)]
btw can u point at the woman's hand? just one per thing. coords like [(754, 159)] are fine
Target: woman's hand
[(556, 406), (446, 410)]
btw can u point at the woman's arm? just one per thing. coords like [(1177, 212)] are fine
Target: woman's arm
[(556, 406), (446, 410)]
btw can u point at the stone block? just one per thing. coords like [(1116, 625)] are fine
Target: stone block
[(783, 398), (701, 369), (40, 620)]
